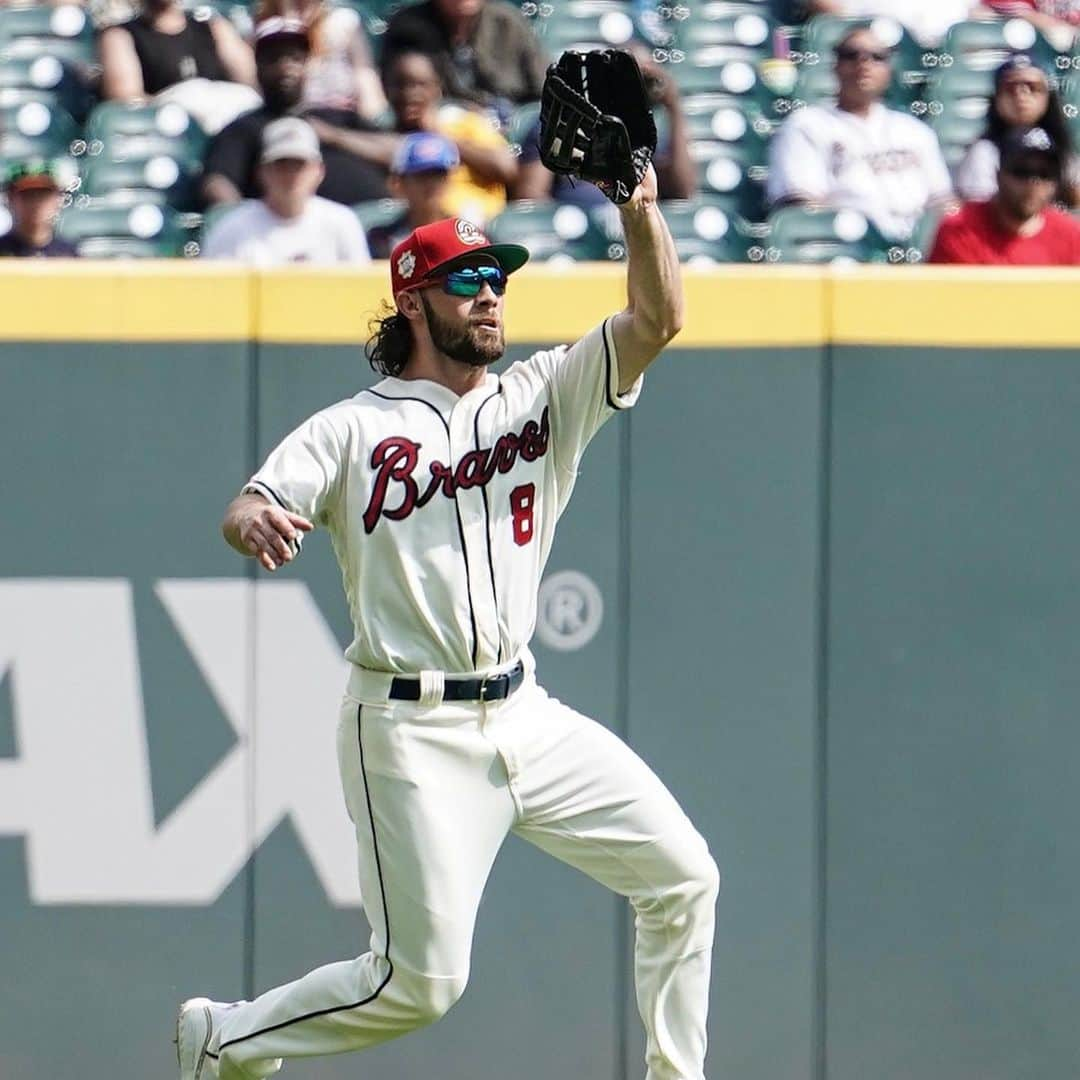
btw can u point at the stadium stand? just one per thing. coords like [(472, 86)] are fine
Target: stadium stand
[(741, 66)]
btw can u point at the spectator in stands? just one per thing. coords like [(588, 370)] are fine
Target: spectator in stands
[(340, 71), (199, 62), (858, 154), (355, 154), (1057, 19), (485, 51), (1023, 97), (290, 223), (478, 185), (676, 175), (34, 194), (1018, 226), (421, 176), (926, 20)]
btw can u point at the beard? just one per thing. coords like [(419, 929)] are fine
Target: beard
[(467, 345)]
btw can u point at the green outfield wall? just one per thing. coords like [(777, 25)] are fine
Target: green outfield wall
[(825, 577)]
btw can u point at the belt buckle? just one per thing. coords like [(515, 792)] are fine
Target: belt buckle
[(488, 686)]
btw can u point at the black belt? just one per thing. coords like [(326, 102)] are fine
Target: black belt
[(489, 688)]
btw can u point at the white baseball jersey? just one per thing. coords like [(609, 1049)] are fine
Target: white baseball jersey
[(887, 165), (441, 509), (325, 233)]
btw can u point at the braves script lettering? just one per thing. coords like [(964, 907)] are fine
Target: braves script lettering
[(395, 461)]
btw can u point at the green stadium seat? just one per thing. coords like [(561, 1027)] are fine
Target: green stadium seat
[(123, 132), (63, 31), (957, 101), (717, 31), (521, 122), (799, 234), (36, 129), (143, 230), (732, 175), (553, 232), (704, 233), (44, 79), (153, 150), (161, 179), (378, 212), (585, 24), (728, 119), (817, 73), (982, 45), (240, 14)]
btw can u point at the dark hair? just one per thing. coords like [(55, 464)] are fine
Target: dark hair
[(1052, 121), (860, 27), (391, 341)]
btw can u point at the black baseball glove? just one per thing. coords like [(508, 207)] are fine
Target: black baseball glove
[(595, 121)]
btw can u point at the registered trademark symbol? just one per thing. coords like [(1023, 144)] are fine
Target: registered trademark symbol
[(571, 610)]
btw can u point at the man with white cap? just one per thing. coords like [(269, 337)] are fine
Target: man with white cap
[(290, 223)]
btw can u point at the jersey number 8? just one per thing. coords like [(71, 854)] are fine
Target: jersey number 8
[(521, 507)]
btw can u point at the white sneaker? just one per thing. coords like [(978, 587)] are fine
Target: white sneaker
[(194, 1026)]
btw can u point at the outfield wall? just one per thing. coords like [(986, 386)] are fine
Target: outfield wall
[(835, 552)]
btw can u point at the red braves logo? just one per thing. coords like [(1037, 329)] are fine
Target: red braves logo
[(395, 460)]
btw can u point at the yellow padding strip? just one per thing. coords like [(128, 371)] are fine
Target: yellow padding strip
[(734, 306), (166, 300), (956, 307), (548, 306)]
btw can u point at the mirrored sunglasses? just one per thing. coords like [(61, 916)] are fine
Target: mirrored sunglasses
[(469, 280)]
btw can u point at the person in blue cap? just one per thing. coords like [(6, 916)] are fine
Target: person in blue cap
[(1023, 97), (420, 175)]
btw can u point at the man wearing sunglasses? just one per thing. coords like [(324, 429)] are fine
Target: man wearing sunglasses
[(858, 154), (1018, 226), (440, 487)]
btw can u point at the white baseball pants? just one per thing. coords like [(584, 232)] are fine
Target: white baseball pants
[(433, 792)]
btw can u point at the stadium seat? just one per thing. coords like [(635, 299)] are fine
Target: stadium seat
[(161, 179), (732, 175), (729, 119), (143, 230), (153, 150), (123, 132), (63, 31), (552, 232), (240, 14), (717, 31), (521, 122), (982, 45), (585, 24), (45, 79), (36, 129), (704, 233), (799, 234), (816, 68), (957, 101), (378, 212)]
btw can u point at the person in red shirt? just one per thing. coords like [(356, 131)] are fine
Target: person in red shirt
[(1018, 226)]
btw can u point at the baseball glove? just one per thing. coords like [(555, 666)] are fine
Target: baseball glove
[(595, 121)]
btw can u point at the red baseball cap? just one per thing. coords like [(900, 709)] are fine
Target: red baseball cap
[(431, 248)]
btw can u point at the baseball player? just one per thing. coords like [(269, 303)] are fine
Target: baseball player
[(440, 487)]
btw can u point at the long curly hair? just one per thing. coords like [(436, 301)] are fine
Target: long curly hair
[(391, 341)]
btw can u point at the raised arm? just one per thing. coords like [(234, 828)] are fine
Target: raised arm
[(655, 306)]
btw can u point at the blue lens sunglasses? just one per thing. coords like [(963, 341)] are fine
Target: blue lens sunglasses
[(469, 280)]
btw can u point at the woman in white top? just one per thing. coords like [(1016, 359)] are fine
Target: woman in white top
[(1023, 97)]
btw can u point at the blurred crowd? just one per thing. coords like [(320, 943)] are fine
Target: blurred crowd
[(322, 131)]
